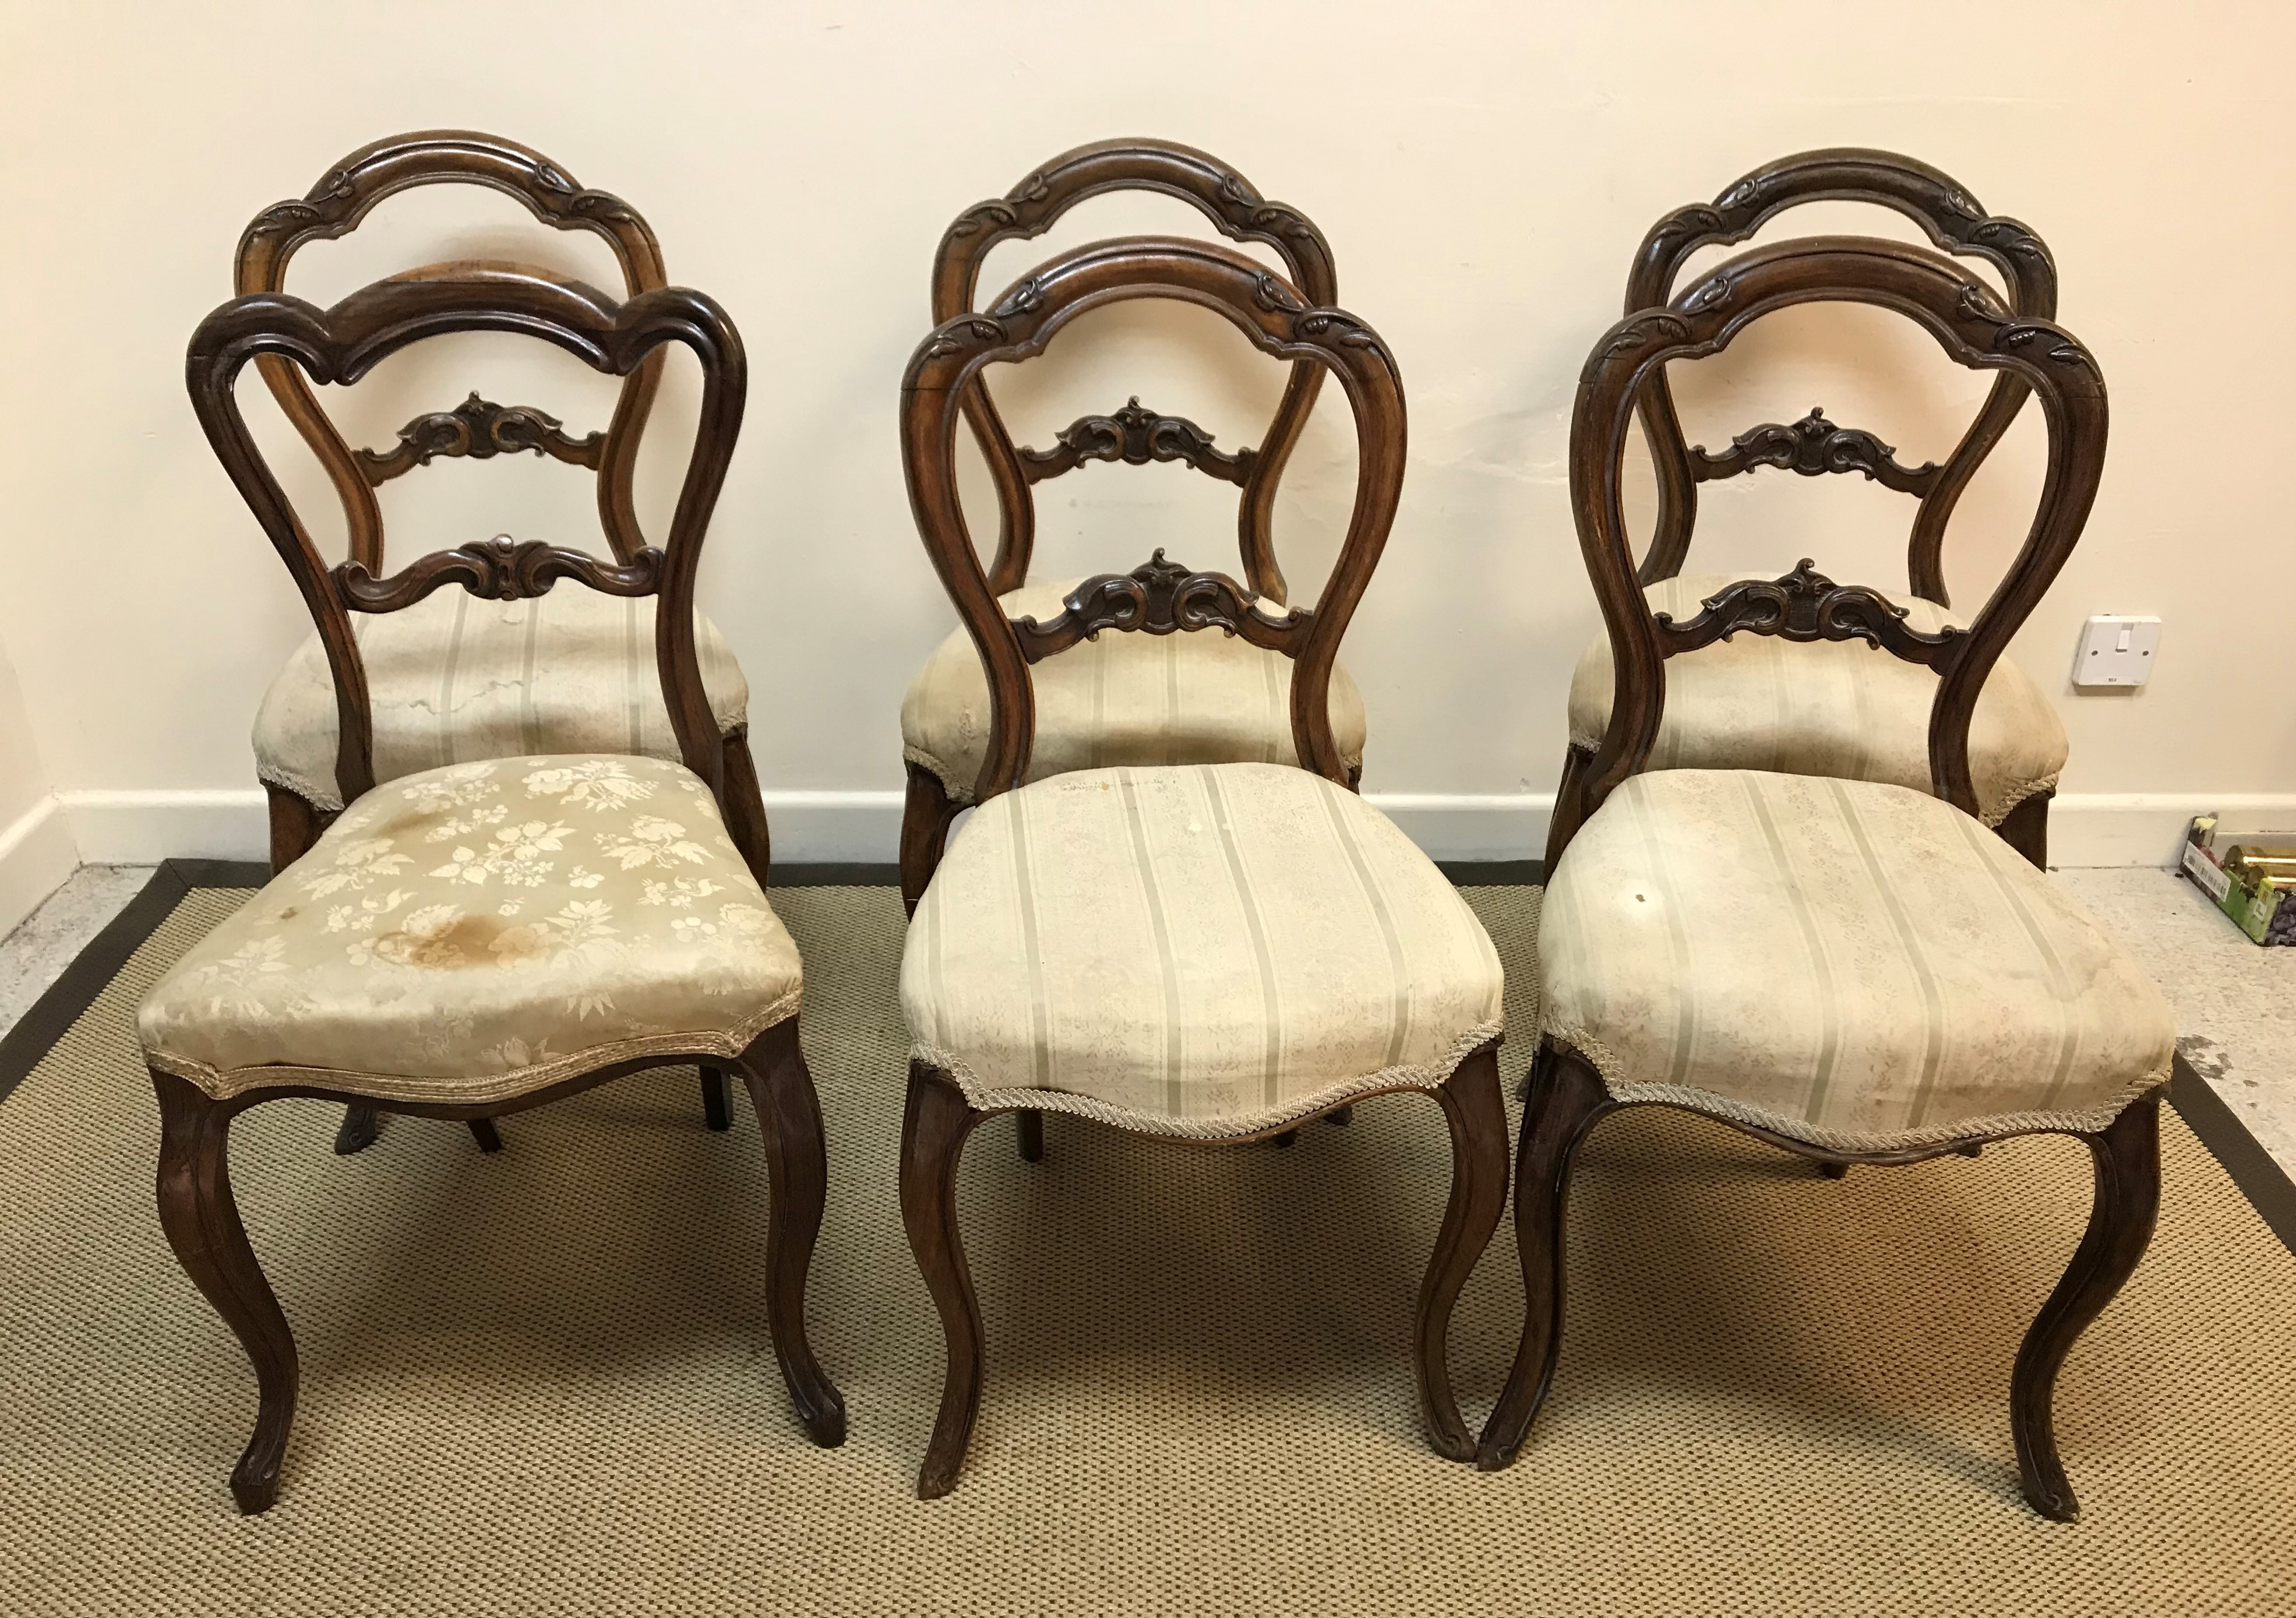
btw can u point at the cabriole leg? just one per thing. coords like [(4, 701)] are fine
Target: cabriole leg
[(202, 1224), (1567, 1098), (2126, 1155), (1477, 1115), (926, 815), (797, 1164), (932, 1140)]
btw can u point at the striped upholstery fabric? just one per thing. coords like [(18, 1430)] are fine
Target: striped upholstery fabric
[(1850, 963), (1200, 698), (457, 677), (1204, 950), (1826, 708)]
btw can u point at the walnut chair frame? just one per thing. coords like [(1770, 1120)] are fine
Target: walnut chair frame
[(1132, 434), (339, 345), (1815, 446), (477, 428), (1567, 1095), (1163, 598)]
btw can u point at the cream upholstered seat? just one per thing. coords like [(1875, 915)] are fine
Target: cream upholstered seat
[(456, 677), (1826, 708), (1205, 950), (466, 935), (1119, 699), (1853, 964)]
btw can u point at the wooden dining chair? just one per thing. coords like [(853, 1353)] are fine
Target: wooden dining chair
[(478, 938), (1209, 952), (454, 679), (1127, 700), (1857, 971), (1831, 708)]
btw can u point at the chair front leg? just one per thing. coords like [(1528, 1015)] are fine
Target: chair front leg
[(1474, 1108), (932, 1140), (789, 1116), (1567, 1096), (202, 1225), (2126, 1156)]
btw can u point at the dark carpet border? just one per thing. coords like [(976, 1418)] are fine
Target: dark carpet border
[(2260, 1180)]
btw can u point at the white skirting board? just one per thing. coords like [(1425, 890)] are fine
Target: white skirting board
[(36, 854), (141, 827)]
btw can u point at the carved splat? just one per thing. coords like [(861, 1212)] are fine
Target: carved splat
[(1813, 447), (501, 568), (481, 430), (1135, 435), (1806, 605), (1158, 597)]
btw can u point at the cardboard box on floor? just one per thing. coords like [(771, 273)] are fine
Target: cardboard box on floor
[(2249, 869)]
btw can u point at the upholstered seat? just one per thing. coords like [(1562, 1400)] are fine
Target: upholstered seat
[(1205, 950), (470, 935), (456, 677), (1853, 964), (1826, 708), (1120, 699)]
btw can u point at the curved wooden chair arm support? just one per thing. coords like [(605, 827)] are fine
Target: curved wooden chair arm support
[(1974, 330), (343, 344), (1235, 207), (1270, 315), (348, 192), (1953, 219)]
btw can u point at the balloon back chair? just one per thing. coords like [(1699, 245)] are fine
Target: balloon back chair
[(1854, 971), (1209, 952), (476, 939), (1830, 708), (457, 680), (1127, 700)]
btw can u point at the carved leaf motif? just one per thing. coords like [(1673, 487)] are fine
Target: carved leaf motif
[(1270, 292), (1159, 597), (980, 216), (501, 568), (1813, 447), (964, 334), (480, 430), (1137, 436), (1806, 605)]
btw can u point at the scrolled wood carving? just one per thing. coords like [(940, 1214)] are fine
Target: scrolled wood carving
[(501, 568), (1137, 436), (481, 430), (1806, 605), (1159, 597), (1813, 447)]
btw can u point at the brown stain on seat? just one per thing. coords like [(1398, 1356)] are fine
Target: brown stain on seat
[(468, 940), (400, 826)]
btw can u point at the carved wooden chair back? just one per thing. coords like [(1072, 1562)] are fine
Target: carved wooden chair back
[(341, 344), (1133, 434), (1955, 221), (1974, 329), (1160, 597), (334, 206)]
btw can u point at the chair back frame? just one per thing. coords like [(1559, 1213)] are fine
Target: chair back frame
[(341, 344), (1952, 218), (334, 206), (1133, 434), (1974, 329), (1160, 597)]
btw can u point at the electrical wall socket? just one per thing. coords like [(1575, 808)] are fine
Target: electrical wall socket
[(2117, 650)]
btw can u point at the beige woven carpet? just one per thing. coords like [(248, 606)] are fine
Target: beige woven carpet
[(538, 1382)]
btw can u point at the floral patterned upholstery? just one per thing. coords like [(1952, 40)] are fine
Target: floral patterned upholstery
[(471, 933)]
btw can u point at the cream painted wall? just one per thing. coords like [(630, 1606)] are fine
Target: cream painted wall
[(1483, 172), (36, 851)]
